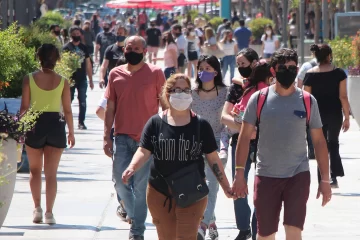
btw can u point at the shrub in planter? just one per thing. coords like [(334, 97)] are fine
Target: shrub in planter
[(215, 22), (257, 26), (51, 18), (342, 52), (34, 37)]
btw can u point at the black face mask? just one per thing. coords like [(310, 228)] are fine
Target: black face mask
[(76, 38), (245, 72), (152, 24), (286, 77), (134, 58), (57, 33), (106, 29)]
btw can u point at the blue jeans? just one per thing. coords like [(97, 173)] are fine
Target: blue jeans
[(134, 193), (81, 88), (241, 205), (228, 62), (169, 71)]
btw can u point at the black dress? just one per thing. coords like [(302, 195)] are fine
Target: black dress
[(325, 87)]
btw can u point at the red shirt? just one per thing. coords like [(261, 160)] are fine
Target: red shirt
[(136, 97)]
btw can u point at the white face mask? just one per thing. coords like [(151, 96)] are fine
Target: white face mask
[(192, 34), (268, 32), (180, 101)]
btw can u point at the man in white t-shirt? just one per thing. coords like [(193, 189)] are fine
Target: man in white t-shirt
[(181, 43)]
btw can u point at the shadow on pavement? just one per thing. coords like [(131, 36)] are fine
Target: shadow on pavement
[(12, 234), (61, 226), (347, 194)]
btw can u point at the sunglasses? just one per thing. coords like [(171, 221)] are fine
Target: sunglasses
[(179, 90), (290, 68)]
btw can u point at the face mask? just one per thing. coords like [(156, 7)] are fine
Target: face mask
[(180, 101), (286, 78), (120, 38), (76, 38), (57, 33), (177, 34), (106, 29), (133, 58), (205, 76), (193, 34), (245, 72), (268, 32), (152, 24)]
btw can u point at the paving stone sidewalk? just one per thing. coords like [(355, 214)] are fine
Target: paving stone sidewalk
[(85, 205)]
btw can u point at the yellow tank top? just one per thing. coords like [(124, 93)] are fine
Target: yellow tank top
[(45, 100)]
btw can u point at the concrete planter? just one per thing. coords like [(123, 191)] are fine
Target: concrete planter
[(8, 168), (353, 87)]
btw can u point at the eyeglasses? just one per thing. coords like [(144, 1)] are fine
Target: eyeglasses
[(179, 90), (291, 68)]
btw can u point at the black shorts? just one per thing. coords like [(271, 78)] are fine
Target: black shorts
[(181, 60), (142, 26), (192, 56), (49, 130)]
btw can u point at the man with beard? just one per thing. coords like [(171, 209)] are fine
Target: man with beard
[(132, 98), (104, 40), (282, 114)]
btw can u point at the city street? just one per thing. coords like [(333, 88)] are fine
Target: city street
[(86, 201)]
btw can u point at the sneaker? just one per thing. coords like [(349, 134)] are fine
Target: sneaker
[(334, 183), (213, 233), (136, 237), (82, 126), (37, 215), (244, 235), (49, 218), (121, 213), (201, 233)]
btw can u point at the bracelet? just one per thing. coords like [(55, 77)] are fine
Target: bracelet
[(324, 181), (239, 167)]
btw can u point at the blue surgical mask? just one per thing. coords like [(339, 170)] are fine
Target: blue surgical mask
[(120, 38), (206, 76)]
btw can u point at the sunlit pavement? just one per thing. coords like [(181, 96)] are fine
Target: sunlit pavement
[(85, 205)]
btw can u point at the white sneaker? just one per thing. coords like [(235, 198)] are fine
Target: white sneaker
[(49, 218), (37, 215)]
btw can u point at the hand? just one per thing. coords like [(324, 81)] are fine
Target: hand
[(346, 125), (325, 190), (108, 146), (102, 83), (127, 174), (229, 193), (71, 140), (91, 83), (240, 188)]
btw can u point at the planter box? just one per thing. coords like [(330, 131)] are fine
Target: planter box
[(13, 105), (8, 168), (353, 88)]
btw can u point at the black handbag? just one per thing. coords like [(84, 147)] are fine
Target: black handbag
[(187, 185)]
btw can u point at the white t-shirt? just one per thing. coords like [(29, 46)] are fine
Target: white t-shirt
[(228, 48), (102, 102), (269, 44), (181, 43)]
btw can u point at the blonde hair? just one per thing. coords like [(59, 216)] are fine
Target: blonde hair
[(209, 33), (169, 84)]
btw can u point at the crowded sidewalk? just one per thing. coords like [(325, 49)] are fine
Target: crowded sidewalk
[(86, 201)]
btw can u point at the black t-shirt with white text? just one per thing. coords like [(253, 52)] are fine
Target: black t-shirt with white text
[(112, 54), (153, 35), (105, 40), (176, 147), (80, 50)]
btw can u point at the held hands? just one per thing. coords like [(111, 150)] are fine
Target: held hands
[(239, 188), (325, 191), (127, 174)]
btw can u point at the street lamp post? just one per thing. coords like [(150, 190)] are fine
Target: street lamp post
[(284, 23), (302, 31)]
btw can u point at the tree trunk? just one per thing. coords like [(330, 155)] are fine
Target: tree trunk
[(274, 14), (317, 10), (357, 5), (341, 6)]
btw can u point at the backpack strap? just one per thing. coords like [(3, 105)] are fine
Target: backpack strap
[(307, 104), (261, 101)]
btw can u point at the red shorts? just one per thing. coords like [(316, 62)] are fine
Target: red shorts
[(269, 193)]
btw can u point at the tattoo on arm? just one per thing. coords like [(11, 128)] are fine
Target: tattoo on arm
[(217, 172)]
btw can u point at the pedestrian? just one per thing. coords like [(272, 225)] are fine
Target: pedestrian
[(89, 37), (221, 28), (46, 91), (112, 54), (142, 21), (293, 31), (43, 8), (153, 39), (281, 113), (208, 100), (56, 33), (140, 98), (79, 77), (95, 24), (328, 85), (177, 138), (270, 43), (181, 43), (229, 47), (246, 60), (65, 35), (242, 35), (170, 55), (193, 50)]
